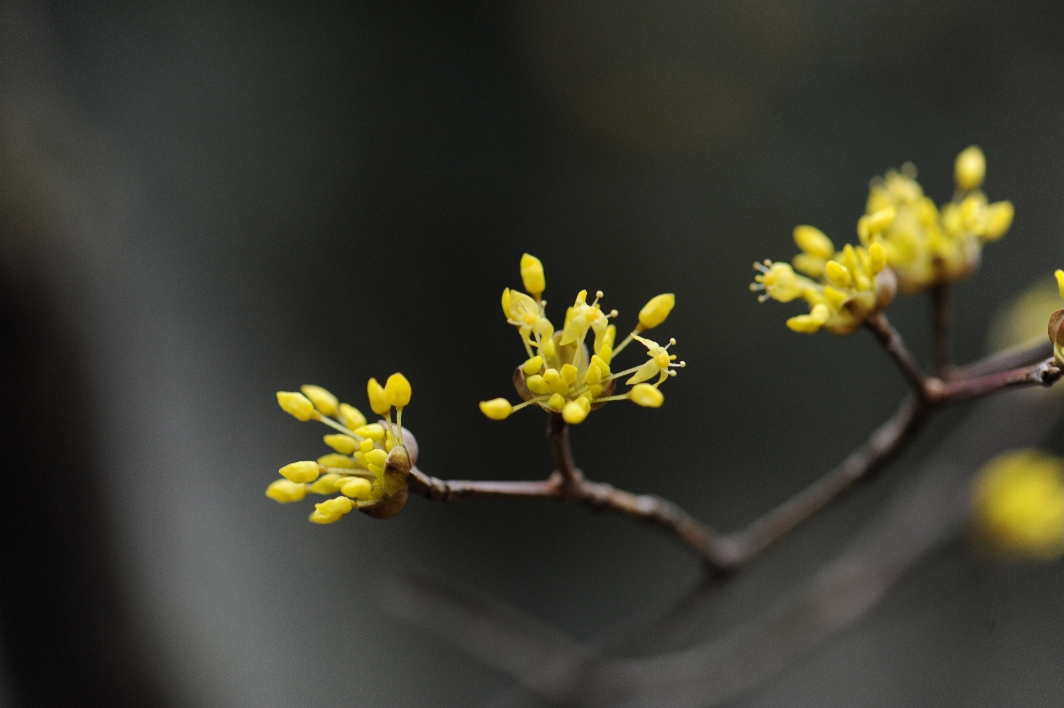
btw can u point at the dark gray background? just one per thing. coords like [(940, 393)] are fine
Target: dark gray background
[(201, 203)]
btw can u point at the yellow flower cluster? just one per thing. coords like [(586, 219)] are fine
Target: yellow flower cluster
[(927, 246), (1018, 501), (561, 374), (841, 288), (370, 462)]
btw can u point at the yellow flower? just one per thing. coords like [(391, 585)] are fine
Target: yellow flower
[(850, 285), (1056, 324), (1018, 504), (927, 246), (568, 371), (371, 462)]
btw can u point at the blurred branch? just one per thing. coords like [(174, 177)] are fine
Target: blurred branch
[(943, 314), (928, 511)]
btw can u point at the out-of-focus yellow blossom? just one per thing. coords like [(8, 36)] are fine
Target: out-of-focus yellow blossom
[(1018, 503), (1056, 324), (1022, 319), (371, 462), (567, 371), (927, 246), (842, 288)]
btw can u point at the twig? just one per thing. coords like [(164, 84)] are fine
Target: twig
[(895, 346), (1044, 373), (943, 314), (1022, 355)]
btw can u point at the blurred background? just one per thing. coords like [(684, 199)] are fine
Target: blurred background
[(204, 202)]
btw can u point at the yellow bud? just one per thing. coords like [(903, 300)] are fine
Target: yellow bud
[(655, 311), (556, 402), (838, 274), (377, 456), (320, 518), (548, 348), (875, 223), (341, 443), (532, 275), (357, 487), (813, 241), (533, 365), (536, 384), (1060, 282), (378, 401), (322, 399), (593, 375), (337, 505), (397, 390), (808, 324), (338, 461), (809, 265), (574, 413), (305, 471), (611, 336), (284, 491), (569, 374), (970, 169), (373, 431), (326, 484), (555, 382), (646, 395), (365, 446), (998, 220), (498, 408), (601, 363), (352, 417), (296, 404), (837, 298), (878, 256), (506, 302)]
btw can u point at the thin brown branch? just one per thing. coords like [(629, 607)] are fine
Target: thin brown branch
[(1022, 355), (721, 552), (895, 346), (451, 490), (886, 442), (1044, 373), (558, 436), (943, 315)]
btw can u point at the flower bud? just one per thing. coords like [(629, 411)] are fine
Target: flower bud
[(322, 399), (296, 404), (970, 169), (378, 401), (352, 417), (496, 409), (655, 311), (646, 395), (344, 444), (397, 390), (284, 491), (532, 275), (299, 472), (813, 242), (574, 413)]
